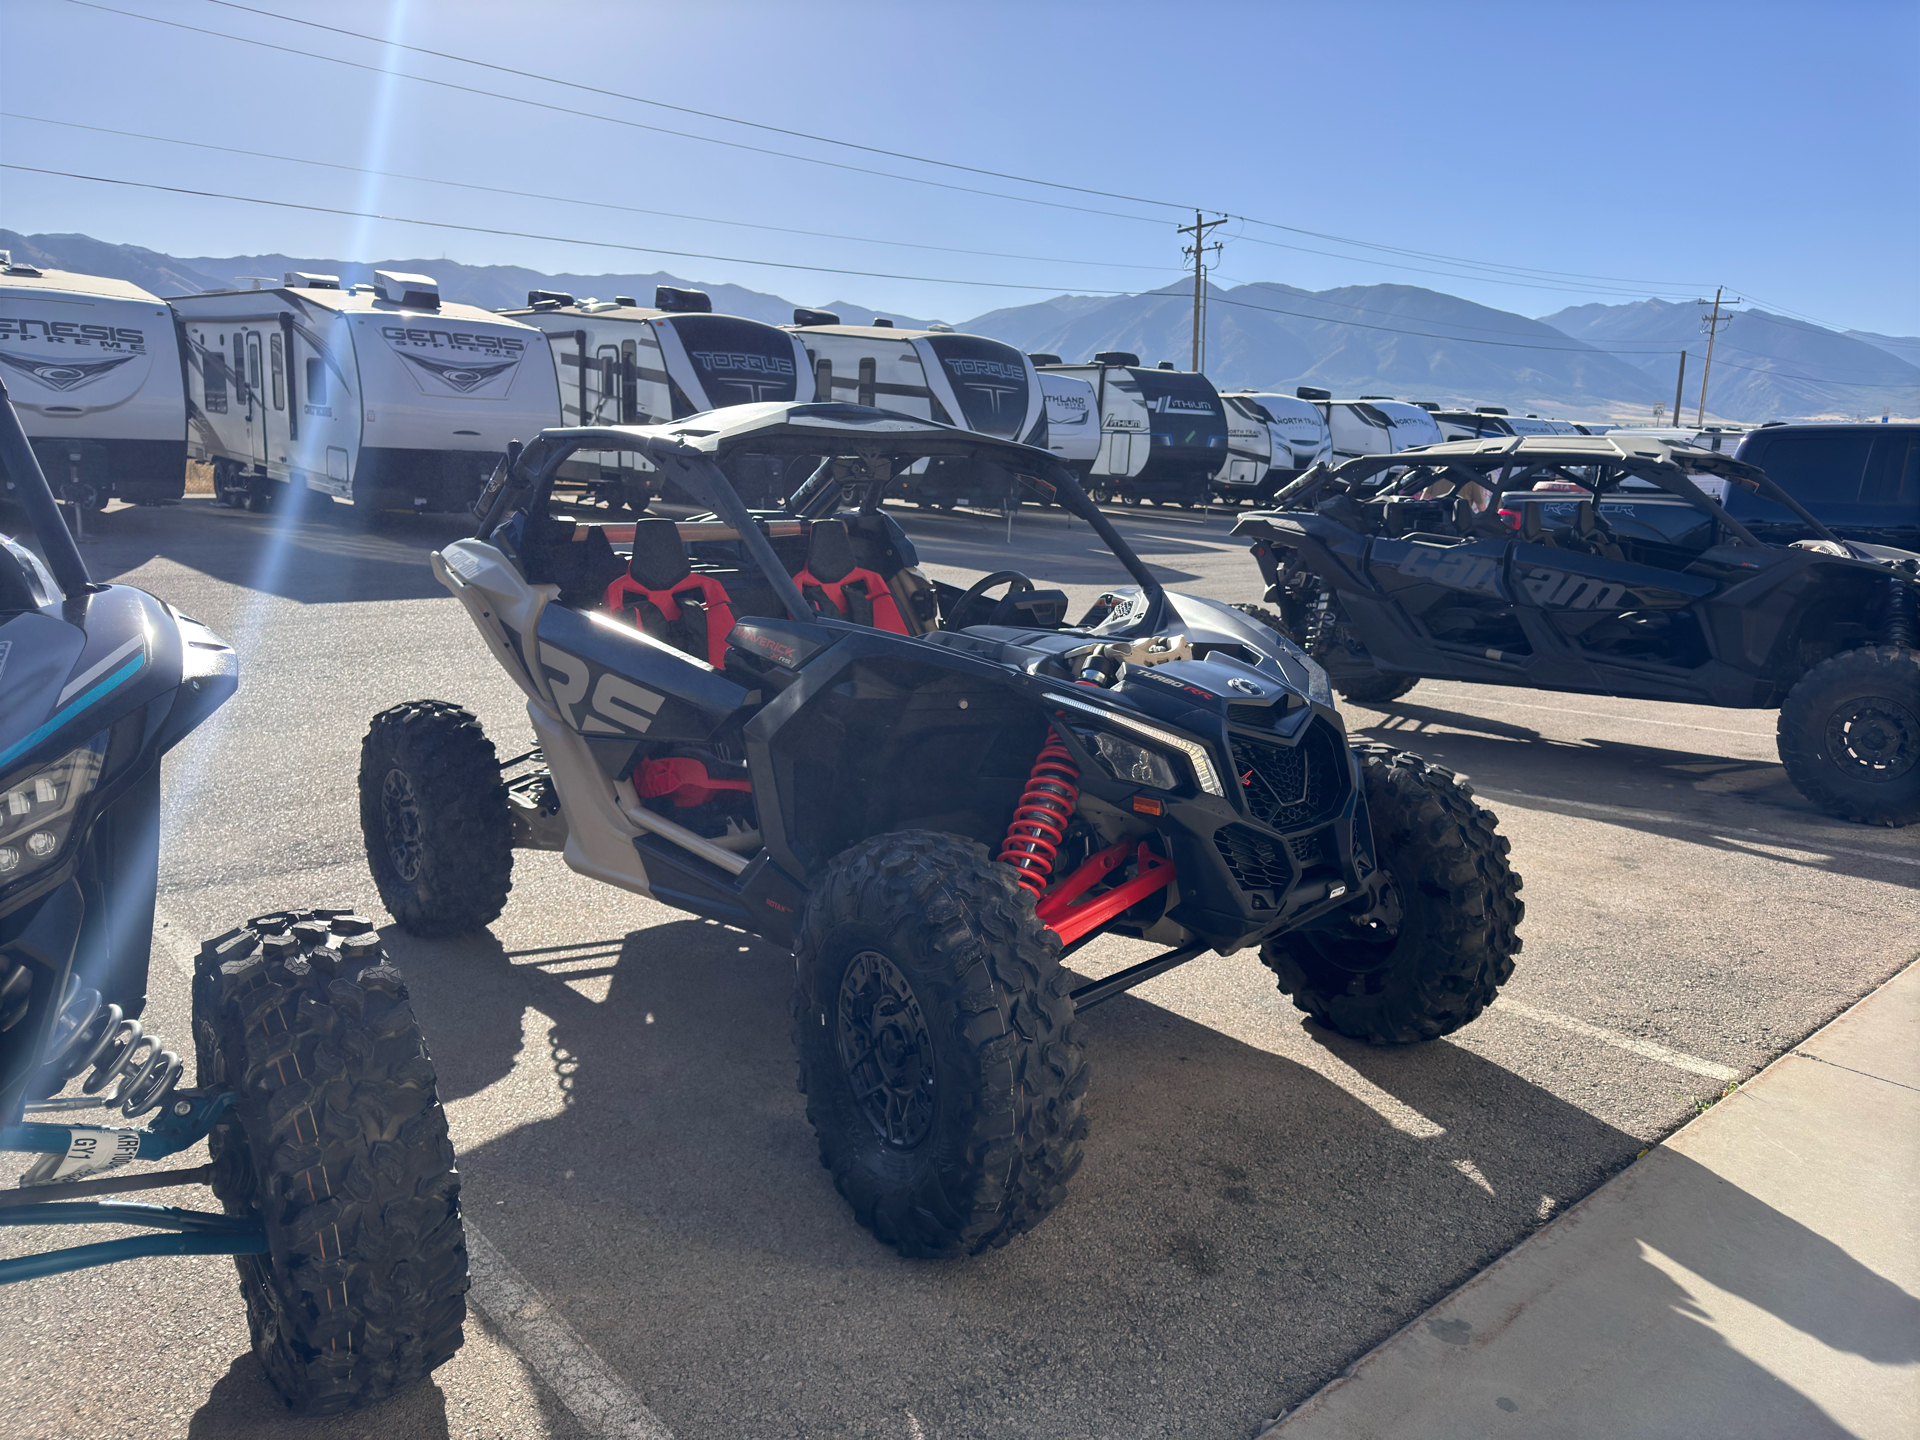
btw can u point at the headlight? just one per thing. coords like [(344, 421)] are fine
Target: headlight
[(1129, 761), (38, 809)]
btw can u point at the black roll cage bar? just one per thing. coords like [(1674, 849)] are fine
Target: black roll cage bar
[(22, 467), (525, 480), (1476, 469)]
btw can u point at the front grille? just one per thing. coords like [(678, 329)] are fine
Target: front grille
[(1289, 786), (1258, 862)]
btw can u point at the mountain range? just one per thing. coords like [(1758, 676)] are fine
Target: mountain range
[(1584, 362)]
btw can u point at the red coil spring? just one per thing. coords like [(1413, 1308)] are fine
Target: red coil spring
[(1040, 820)]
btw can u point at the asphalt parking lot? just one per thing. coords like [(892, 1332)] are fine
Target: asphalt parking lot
[(1261, 1201)]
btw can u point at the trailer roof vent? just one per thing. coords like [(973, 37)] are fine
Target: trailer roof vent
[(1312, 392), (1376, 397), (596, 307), (1532, 416), (1116, 357), (1166, 365), (548, 299), (682, 302), (626, 300), (415, 292), (881, 322), (1489, 409), (301, 280), (804, 316), (254, 282), (7, 265), (1042, 358), (1430, 406)]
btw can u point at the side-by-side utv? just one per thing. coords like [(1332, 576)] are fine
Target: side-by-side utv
[(933, 794), (327, 1143)]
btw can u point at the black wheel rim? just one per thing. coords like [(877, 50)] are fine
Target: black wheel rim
[(401, 813), (1874, 738), (1365, 943), (886, 1049)]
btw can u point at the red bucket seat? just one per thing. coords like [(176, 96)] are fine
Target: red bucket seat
[(665, 599), (835, 585)]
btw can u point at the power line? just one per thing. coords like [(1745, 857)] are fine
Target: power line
[(535, 235), (1452, 274), (689, 110), (572, 200), (1576, 348), (608, 119)]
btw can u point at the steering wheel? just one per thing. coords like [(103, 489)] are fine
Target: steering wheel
[(962, 614)]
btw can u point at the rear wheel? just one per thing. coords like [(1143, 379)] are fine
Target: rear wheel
[(1375, 689), (1272, 621), (936, 1040), (337, 1143), (434, 816), (1849, 735), (1441, 941)]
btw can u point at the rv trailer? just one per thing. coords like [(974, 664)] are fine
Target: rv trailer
[(1371, 425), (93, 366), (1163, 432), (378, 394), (1073, 417), (966, 380), (618, 362), (1297, 439)]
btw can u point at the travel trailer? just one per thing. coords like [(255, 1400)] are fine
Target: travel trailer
[(93, 367), (378, 394), (1371, 425), (1297, 439), (618, 362), (1073, 417), (966, 380), (1163, 431)]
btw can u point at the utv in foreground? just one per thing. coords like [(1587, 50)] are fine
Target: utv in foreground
[(329, 1149), (1618, 575), (933, 794)]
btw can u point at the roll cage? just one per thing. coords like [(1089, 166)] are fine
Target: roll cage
[(1598, 464), (859, 450)]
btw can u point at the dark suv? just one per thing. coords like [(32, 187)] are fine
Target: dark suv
[(1861, 481)]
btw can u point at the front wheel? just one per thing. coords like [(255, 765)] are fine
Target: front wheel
[(935, 1031), (336, 1143), (1849, 735), (1375, 689), (1441, 941), (434, 816)]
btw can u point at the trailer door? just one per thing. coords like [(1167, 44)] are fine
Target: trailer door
[(256, 402)]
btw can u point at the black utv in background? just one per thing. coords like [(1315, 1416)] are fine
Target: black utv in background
[(1642, 586)]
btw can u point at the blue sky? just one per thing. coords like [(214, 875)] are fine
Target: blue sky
[(1665, 147)]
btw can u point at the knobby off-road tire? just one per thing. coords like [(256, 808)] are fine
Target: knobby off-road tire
[(1459, 900), (971, 1124), (1849, 735), (1269, 619), (433, 811), (1375, 689), (336, 1142)]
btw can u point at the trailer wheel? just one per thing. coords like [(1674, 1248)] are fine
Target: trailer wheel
[(1441, 943), (1849, 735), (937, 1045), (336, 1141), (434, 816)]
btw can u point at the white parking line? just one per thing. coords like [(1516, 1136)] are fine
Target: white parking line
[(533, 1327), (1812, 845), (1646, 1049), (541, 1335)]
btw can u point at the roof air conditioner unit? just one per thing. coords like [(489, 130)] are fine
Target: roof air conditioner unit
[(682, 302)]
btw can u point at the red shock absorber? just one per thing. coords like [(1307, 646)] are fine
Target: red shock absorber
[(1040, 819)]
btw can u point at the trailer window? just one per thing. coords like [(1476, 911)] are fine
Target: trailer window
[(823, 380), (868, 367), (629, 383), (608, 359), (316, 381), (277, 364), (213, 375), (239, 367)]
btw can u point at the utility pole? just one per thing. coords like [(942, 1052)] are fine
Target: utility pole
[(1679, 383), (1711, 324), (1198, 250)]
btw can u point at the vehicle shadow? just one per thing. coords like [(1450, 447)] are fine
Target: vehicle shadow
[(243, 1406), (320, 556), (1242, 1227)]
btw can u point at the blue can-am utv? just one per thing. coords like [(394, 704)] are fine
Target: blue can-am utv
[(328, 1145)]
